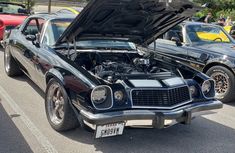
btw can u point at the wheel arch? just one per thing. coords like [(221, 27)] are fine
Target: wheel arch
[(54, 73), (210, 65)]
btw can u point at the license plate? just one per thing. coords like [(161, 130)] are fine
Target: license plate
[(109, 130)]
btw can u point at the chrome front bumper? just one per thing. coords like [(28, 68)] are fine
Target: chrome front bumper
[(159, 117)]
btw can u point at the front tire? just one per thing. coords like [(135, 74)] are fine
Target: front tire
[(58, 110), (225, 83), (11, 67)]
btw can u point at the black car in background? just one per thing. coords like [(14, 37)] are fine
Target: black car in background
[(206, 47), (94, 74)]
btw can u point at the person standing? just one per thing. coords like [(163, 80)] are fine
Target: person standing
[(209, 18)]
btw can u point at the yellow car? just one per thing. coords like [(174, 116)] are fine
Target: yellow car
[(220, 36), (71, 10), (210, 32)]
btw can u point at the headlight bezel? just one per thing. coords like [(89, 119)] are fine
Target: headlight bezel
[(106, 103), (208, 93)]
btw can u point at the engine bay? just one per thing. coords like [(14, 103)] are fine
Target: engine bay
[(121, 66)]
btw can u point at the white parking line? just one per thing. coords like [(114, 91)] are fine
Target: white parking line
[(29, 124)]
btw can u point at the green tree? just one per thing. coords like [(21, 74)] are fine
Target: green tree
[(217, 7)]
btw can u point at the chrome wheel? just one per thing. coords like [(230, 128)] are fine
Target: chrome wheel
[(222, 84), (55, 104)]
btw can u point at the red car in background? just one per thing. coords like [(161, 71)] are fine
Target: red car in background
[(11, 15)]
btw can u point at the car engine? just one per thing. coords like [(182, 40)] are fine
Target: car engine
[(120, 66)]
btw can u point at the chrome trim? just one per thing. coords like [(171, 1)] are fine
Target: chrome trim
[(110, 95), (167, 108), (43, 31)]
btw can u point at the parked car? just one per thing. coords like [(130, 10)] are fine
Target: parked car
[(94, 74), (70, 10), (11, 15), (206, 47)]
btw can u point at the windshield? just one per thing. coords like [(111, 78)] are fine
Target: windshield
[(11, 9), (206, 33), (55, 29)]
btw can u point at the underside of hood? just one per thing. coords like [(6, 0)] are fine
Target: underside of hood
[(138, 21)]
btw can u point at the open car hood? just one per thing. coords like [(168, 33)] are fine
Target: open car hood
[(138, 21)]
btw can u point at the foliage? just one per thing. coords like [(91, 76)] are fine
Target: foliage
[(217, 7)]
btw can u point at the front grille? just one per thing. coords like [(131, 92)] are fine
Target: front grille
[(160, 97)]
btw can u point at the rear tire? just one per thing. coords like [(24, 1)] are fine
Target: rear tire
[(58, 109), (225, 83), (10, 65)]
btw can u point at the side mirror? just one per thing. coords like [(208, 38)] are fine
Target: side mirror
[(31, 37), (177, 41)]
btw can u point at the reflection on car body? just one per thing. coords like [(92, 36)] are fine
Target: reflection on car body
[(99, 73)]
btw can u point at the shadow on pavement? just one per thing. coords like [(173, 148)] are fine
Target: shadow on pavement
[(202, 136), (231, 104), (11, 140)]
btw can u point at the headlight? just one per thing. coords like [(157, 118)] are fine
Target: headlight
[(208, 89), (193, 91), (99, 95), (206, 86), (118, 95)]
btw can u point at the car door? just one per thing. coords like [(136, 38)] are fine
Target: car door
[(198, 53), (25, 48)]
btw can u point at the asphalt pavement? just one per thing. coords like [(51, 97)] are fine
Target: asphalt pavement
[(24, 128)]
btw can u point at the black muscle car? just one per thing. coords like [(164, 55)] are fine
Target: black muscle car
[(98, 72), (206, 47)]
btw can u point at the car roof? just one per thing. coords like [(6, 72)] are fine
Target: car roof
[(47, 16), (198, 23)]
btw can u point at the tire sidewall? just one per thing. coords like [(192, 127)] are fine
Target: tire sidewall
[(228, 96), (62, 126)]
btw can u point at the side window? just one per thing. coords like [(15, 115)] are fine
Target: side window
[(31, 28), (175, 32)]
